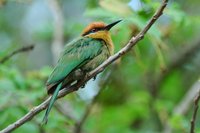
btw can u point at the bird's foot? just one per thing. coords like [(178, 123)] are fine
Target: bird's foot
[(94, 78), (83, 86), (85, 77)]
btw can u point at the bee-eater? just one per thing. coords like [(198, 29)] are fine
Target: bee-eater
[(83, 54)]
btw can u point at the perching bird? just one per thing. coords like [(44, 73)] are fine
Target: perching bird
[(81, 55)]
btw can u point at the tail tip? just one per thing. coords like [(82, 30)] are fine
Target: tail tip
[(44, 121)]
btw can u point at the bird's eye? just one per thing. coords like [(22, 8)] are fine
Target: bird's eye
[(93, 30)]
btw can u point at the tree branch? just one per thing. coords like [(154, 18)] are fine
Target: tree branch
[(20, 50), (99, 69), (196, 106)]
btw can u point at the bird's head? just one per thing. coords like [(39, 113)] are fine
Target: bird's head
[(98, 29)]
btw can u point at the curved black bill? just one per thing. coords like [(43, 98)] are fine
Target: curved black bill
[(109, 26)]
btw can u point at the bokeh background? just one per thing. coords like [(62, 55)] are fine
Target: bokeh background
[(149, 90)]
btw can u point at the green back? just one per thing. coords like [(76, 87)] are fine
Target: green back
[(75, 54)]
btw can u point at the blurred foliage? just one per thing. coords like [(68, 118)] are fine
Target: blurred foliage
[(144, 86)]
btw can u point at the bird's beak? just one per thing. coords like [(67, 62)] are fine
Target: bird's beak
[(109, 26)]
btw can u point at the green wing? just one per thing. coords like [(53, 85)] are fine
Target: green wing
[(76, 53)]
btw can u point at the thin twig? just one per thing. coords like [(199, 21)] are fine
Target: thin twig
[(20, 50), (196, 106), (99, 69)]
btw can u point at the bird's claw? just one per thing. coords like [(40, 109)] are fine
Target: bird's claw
[(83, 86), (94, 78)]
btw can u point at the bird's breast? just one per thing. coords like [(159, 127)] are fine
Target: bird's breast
[(97, 60)]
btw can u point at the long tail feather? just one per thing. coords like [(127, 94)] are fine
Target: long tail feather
[(52, 100)]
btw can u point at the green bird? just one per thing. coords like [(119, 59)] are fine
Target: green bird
[(84, 54)]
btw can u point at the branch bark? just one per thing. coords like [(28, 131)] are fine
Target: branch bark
[(133, 41), (20, 50)]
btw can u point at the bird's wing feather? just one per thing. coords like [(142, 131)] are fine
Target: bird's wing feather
[(75, 54)]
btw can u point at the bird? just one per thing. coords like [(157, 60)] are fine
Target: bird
[(79, 57)]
